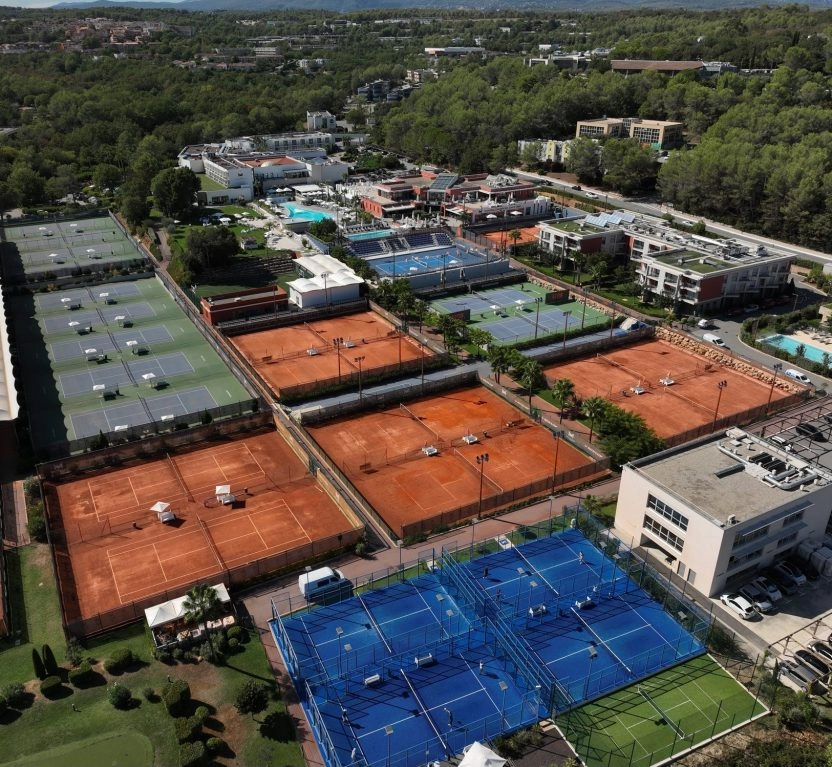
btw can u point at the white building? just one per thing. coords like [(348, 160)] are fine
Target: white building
[(323, 281), (720, 510), (320, 121)]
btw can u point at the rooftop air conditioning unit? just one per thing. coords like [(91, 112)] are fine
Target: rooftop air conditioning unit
[(732, 519)]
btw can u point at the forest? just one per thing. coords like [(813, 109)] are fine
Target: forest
[(758, 140)]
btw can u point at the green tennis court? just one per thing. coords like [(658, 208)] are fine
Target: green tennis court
[(665, 715)]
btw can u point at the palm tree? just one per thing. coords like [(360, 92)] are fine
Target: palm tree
[(530, 374), (202, 604), (479, 338), (800, 351), (594, 408), (514, 235), (563, 391), (825, 358), (501, 358)]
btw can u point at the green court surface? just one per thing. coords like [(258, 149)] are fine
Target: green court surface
[(124, 355), (667, 714), (125, 749)]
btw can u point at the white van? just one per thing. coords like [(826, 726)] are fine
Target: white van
[(320, 582), (705, 324), (797, 376), (713, 339)]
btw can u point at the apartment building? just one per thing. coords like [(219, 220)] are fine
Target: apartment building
[(659, 134)]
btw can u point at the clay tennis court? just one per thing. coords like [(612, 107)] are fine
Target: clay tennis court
[(305, 353), (504, 238), (688, 403), (120, 552), (382, 454)]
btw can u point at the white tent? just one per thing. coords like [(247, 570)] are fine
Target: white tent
[(478, 755), (174, 609)]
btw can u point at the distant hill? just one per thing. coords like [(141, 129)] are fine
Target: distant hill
[(345, 6)]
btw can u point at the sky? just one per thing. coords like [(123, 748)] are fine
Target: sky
[(48, 3)]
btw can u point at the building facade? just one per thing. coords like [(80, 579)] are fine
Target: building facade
[(719, 511)]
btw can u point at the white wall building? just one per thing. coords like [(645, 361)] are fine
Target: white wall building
[(720, 510), (323, 281)]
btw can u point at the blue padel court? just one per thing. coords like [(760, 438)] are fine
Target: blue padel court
[(476, 647), (438, 259)]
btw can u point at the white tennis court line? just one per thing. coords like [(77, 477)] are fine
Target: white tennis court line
[(159, 560)]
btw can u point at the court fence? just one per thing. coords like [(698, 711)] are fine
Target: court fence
[(145, 438), (242, 418), (283, 319), (78, 625)]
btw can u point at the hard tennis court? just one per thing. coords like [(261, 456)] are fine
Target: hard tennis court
[(416, 671), (438, 259)]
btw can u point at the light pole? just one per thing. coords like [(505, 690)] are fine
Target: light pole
[(557, 436), (593, 654), (422, 357), (336, 342), (399, 544), (326, 294), (537, 315), (358, 361), (339, 632), (481, 461), (551, 505), (503, 688), (777, 367), (722, 386), (565, 326), (583, 311), (388, 731)]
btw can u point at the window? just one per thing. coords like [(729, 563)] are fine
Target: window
[(792, 518), (660, 507), (786, 540), (753, 535), (664, 534), (734, 562)]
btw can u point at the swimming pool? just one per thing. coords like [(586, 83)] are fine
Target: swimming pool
[(790, 345), (374, 234), (304, 214)]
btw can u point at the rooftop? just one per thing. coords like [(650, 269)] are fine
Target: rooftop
[(713, 475)]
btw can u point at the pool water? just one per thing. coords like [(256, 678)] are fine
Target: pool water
[(790, 345), (301, 213), (375, 234)]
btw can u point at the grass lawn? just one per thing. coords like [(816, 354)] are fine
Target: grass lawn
[(661, 716), (75, 737)]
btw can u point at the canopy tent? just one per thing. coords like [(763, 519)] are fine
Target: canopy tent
[(160, 507), (174, 609), (478, 755)]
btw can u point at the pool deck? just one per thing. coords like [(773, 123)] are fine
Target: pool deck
[(820, 339)]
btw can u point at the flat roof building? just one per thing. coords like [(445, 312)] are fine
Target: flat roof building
[(719, 511)]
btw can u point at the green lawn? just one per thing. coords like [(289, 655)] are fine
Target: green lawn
[(661, 716), (51, 732)]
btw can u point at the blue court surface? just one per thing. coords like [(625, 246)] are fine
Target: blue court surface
[(134, 413), (437, 259), (414, 672)]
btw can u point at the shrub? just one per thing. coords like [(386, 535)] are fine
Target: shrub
[(233, 644), (119, 660), (215, 745), (119, 696), (235, 632), (50, 686), (80, 676), (36, 523), (49, 660), (31, 487), (178, 654), (15, 694), (37, 664), (187, 728), (74, 653), (150, 694), (211, 653), (201, 714), (176, 695), (252, 697), (163, 656), (4, 704), (191, 754)]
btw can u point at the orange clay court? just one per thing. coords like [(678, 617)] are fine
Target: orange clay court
[(282, 355), (382, 454), (690, 402), (113, 563), (503, 237)]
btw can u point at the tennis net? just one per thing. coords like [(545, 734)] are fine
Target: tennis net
[(667, 720), (374, 624), (424, 710), (601, 642)]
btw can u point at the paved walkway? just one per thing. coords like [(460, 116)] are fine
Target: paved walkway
[(258, 602)]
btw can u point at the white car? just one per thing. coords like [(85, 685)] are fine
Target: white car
[(739, 604), (759, 599), (769, 587), (590, 194)]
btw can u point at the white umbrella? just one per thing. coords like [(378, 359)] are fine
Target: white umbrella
[(73, 324), (90, 250), (149, 376), (65, 300), (222, 490), (160, 507)]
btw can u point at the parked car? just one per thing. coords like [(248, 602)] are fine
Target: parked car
[(792, 570), (783, 582), (807, 568), (812, 661), (752, 308), (739, 604), (797, 672), (822, 650), (811, 431), (759, 599), (769, 587)]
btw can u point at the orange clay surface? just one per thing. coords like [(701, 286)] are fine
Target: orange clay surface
[(669, 410), (500, 238), (114, 563), (382, 454), (282, 357)]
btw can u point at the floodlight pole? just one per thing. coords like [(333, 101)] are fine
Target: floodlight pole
[(481, 461), (336, 342), (777, 367), (358, 361), (537, 315), (722, 386), (566, 316)]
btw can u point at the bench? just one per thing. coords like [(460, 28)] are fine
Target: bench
[(586, 602), (424, 660), (372, 680), (537, 610)]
